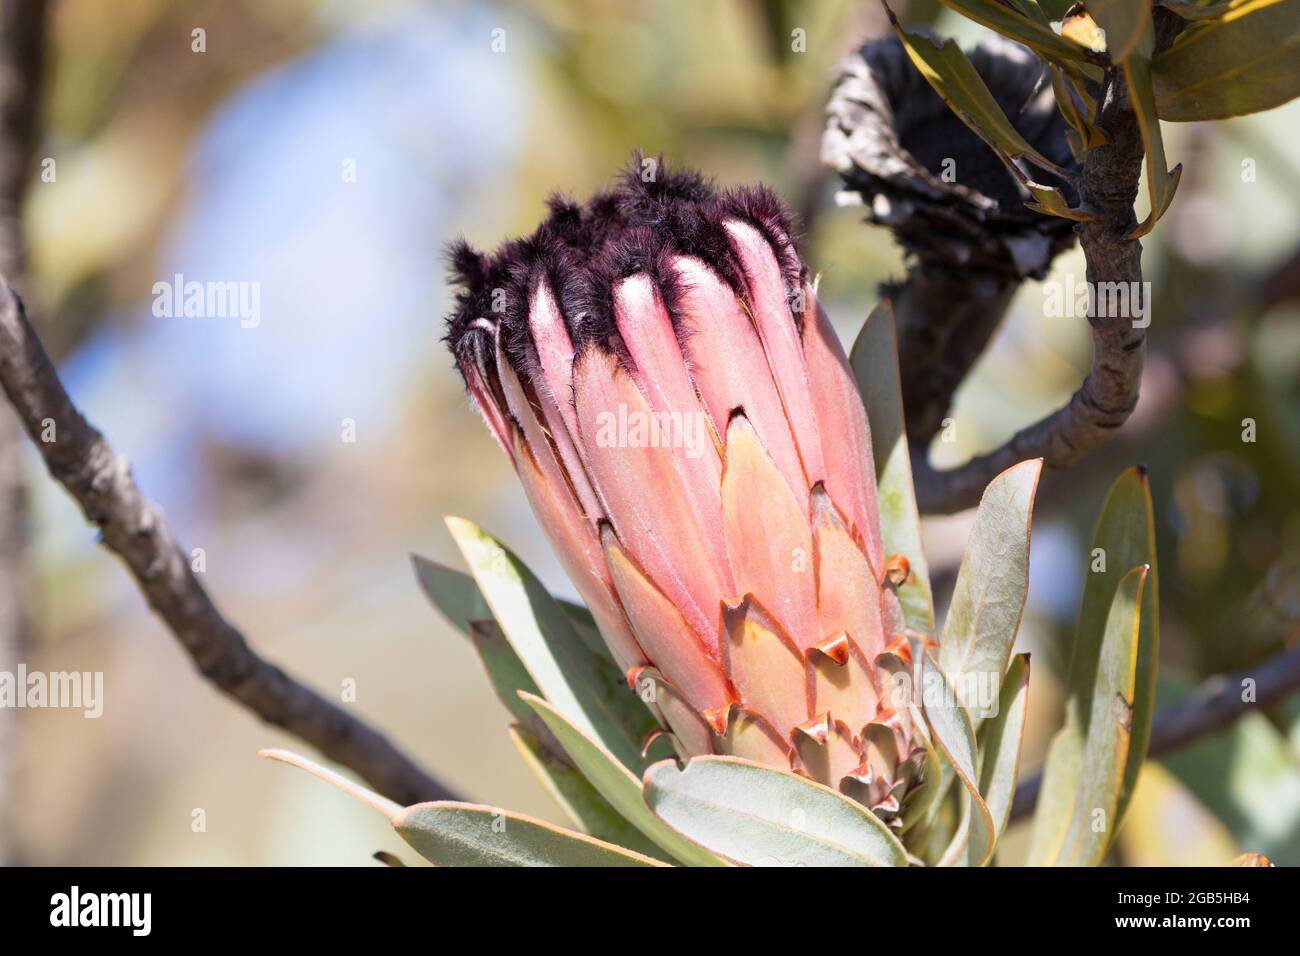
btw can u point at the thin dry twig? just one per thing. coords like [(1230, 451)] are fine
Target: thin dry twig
[(81, 460), (22, 67)]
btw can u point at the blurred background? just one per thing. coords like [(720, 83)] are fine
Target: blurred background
[(327, 151)]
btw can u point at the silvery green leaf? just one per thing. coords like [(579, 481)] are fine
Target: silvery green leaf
[(874, 359), (989, 595), (618, 786), (761, 816)]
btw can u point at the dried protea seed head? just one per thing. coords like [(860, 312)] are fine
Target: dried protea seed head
[(919, 170), (689, 433)]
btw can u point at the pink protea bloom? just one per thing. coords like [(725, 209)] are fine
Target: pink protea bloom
[(689, 433)]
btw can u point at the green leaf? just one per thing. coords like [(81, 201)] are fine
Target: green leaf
[(954, 735), (450, 833), (1245, 60), (1000, 742), (1056, 797), (920, 801), (618, 786), (541, 634), (1050, 202), (582, 803), (468, 834), (1125, 21), (457, 596), (989, 595), (1198, 10), (506, 673), (958, 851), (1078, 109), (874, 358), (388, 808), (762, 816), (1124, 537), (1094, 757), (1033, 32), (454, 593), (952, 75), (1106, 743), (947, 68), (1162, 182)]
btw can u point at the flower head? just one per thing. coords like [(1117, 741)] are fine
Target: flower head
[(689, 433)]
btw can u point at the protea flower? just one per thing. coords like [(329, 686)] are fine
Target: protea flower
[(689, 434)]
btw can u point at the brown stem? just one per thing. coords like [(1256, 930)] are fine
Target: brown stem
[(1216, 705), (22, 62), (81, 460), (945, 317), (1108, 185)]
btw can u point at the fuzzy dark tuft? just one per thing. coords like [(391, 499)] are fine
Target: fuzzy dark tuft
[(581, 250)]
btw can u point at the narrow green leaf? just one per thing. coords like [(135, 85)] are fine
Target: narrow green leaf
[(947, 68), (989, 595), (1242, 58), (1162, 182), (589, 811), (954, 78), (1125, 21), (505, 672), (454, 593), (389, 808), (457, 596), (954, 735), (1032, 32), (958, 851), (874, 359), (618, 786), (468, 834), (450, 833), (1050, 202), (920, 801), (1197, 10), (1000, 741), (1077, 108), (1106, 741), (762, 816), (585, 625), (561, 666), (1056, 798), (1123, 538)]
